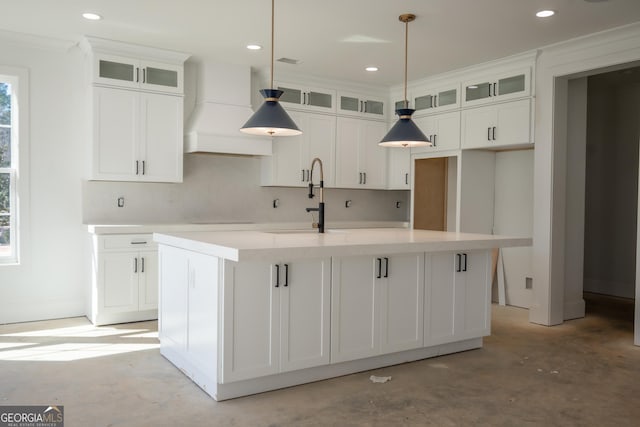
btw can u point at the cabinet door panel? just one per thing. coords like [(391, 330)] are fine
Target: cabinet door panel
[(305, 314), (148, 283), (120, 281), (250, 321), (402, 318), (475, 126), (161, 147), (321, 133), (477, 298), (440, 298), (354, 333), (513, 123), (115, 133), (374, 157), (347, 167)]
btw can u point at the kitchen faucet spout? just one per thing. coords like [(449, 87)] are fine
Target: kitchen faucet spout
[(320, 208)]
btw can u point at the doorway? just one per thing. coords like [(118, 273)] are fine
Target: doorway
[(430, 194)]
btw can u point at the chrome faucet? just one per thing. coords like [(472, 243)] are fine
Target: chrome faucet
[(320, 208)]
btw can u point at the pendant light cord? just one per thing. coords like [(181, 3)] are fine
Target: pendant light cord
[(406, 55), (272, 37)]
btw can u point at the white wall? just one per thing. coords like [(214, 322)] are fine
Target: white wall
[(48, 281), (611, 188), (513, 216)]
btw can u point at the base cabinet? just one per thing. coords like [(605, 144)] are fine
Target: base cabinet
[(457, 296), (376, 305), (124, 279), (275, 317)]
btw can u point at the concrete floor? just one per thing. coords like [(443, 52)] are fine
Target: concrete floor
[(583, 373)]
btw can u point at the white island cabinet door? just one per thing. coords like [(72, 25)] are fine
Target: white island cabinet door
[(148, 281), (174, 281), (440, 298), (354, 329), (402, 306), (476, 285), (251, 307), (305, 314)]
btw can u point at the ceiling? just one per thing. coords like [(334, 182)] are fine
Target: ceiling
[(334, 39)]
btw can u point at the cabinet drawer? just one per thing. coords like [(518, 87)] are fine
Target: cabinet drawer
[(127, 241)]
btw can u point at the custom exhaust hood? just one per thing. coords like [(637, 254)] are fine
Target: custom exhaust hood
[(223, 94)]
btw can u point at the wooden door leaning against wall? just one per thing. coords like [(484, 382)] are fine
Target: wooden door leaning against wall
[(430, 194)]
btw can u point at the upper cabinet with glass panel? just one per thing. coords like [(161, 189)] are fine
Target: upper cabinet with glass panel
[(130, 66), (351, 104), (435, 100), (497, 87), (307, 98)]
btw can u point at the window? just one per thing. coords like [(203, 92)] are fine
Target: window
[(8, 171)]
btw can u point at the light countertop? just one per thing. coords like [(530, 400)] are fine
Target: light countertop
[(296, 244)]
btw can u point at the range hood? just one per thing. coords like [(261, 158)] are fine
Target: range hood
[(223, 94)]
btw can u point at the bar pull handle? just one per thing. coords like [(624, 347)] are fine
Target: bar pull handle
[(135, 265), (277, 275), (494, 133), (144, 75), (406, 178), (137, 167), (379, 261), (386, 267), (139, 242), (365, 178), (137, 74), (143, 167), (286, 275), (360, 182), (302, 175), (435, 137), (435, 101), (495, 92), (142, 259), (459, 267), (465, 262)]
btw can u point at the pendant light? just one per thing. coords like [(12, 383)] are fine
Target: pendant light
[(405, 133), (271, 119)]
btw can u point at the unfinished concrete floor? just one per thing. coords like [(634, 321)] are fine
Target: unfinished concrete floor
[(583, 373)]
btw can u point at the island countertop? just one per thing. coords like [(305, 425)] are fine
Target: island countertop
[(296, 244)]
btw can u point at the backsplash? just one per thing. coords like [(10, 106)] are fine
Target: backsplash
[(226, 189)]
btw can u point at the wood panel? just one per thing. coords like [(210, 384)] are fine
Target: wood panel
[(430, 194)]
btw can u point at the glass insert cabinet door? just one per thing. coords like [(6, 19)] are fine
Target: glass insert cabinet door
[(309, 99), (358, 105), (513, 84), (117, 70), (138, 74), (160, 77)]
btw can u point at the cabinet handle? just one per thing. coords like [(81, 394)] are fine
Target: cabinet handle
[(302, 175), (489, 134), (495, 92), (142, 269), (435, 101), (143, 167), (465, 262), (386, 267), (494, 133), (435, 137), (459, 267), (137, 167), (365, 178), (286, 275), (360, 182), (139, 242), (137, 74), (144, 75), (304, 98), (135, 265), (277, 275), (379, 261), (406, 178)]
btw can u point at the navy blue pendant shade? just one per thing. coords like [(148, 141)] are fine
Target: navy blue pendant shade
[(271, 119), (405, 133)]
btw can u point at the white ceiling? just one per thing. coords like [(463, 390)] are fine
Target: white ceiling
[(333, 38)]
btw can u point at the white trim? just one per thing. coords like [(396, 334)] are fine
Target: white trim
[(19, 80)]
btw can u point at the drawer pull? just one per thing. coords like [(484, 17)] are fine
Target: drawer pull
[(139, 243)]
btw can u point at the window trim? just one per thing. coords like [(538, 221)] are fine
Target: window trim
[(19, 170)]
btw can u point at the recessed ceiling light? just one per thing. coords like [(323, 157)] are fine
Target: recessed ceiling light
[(545, 13), (371, 68), (254, 47), (91, 16)]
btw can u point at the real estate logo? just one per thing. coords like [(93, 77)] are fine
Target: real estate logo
[(32, 416)]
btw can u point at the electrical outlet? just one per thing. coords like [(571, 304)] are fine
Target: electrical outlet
[(121, 202), (528, 283)]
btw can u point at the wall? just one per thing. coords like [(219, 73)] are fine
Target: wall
[(513, 216), (611, 186), (48, 281)]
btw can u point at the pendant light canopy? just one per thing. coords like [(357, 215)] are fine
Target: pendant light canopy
[(271, 119), (405, 133)]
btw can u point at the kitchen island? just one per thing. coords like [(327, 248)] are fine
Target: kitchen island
[(243, 312)]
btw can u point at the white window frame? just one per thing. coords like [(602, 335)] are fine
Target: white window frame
[(18, 171)]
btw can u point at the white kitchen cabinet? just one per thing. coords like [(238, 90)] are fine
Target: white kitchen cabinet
[(359, 105), (399, 176), (497, 126), (442, 129), (290, 163), (137, 136), (276, 317), (457, 296), (360, 161), (137, 73), (124, 279), (308, 98), (376, 305), (497, 87), (436, 99)]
